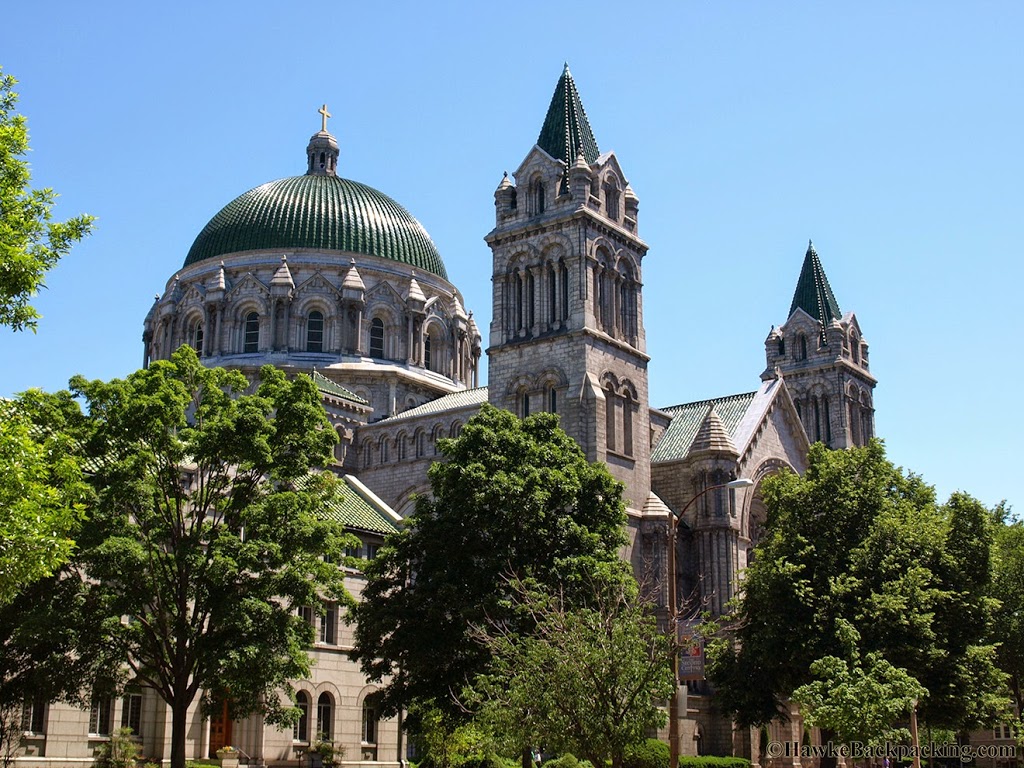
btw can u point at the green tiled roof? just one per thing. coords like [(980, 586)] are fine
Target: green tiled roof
[(687, 418), (322, 212), (566, 129), (351, 509), (464, 399), (329, 387), (813, 294)]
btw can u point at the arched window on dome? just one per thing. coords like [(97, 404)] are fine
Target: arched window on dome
[(315, 331), (251, 338), (196, 338), (377, 338), (427, 353)]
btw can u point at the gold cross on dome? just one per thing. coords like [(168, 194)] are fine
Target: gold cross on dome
[(323, 111)]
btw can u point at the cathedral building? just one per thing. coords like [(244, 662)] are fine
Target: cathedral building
[(326, 276)]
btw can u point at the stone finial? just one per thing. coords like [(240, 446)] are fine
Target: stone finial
[(283, 276), (416, 299), (353, 280)]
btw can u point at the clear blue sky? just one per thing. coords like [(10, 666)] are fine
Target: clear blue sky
[(890, 133)]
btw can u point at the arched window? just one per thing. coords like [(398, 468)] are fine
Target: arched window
[(817, 421), (801, 350), (782, 345), (251, 340), (609, 417), (196, 338), (401, 440), (531, 301), (421, 444), (552, 294), (456, 429), (518, 300), (627, 425), (315, 332), (827, 420), (524, 404), (324, 718), (370, 716), (552, 400), (565, 290), (377, 337), (855, 348), (367, 454), (300, 731), (384, 450), (611, 199), (537, 193)]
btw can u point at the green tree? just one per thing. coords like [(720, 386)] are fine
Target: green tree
[(861, 579), (205, 532), (587, 680), (30, 243), (1008, 589), (514, 498), (42, 495)]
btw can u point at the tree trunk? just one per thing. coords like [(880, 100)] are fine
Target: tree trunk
[(179, 728)]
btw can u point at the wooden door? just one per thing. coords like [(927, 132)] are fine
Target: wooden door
[(220, 729)]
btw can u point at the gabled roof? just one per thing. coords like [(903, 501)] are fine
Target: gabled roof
[(566, 129), (454, 401), (813, 294), (328, 387), (354, 508), (687, 419)]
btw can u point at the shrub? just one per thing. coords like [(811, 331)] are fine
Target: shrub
[(651, 754), (709, 761), (120, 752), (568, 760)]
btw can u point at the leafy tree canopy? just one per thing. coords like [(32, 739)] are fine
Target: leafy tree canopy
[(513, 498), (42, 496), (30, 243), (863, 582), (1008, 589), (204, 532), (587, 680)]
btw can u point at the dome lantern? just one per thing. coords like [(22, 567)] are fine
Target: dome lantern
[(322, 151)]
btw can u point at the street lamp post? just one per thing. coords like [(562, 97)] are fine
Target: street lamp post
[(673, 607), (913, 734)]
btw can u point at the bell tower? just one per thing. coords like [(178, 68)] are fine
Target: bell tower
[(823, 357), (567, 333)]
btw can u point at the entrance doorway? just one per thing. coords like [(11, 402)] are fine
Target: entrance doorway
[(221, 726)]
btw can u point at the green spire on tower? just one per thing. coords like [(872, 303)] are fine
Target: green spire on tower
[(566, 130), (813, 294)]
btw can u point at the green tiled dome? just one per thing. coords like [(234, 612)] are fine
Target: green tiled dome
[(324, 212)]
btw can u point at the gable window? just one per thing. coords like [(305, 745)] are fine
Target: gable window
[(251, 339), (801, 351), (377, 338), (611, 200), (538, 197), (300, 731), (315, 332)]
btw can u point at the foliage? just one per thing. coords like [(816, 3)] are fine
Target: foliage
[(30, 243), (587, 680), (120, 752), (10, 734), (650, 754), (708, 761), (861, 581), (1008, 588), (449, 742), (568, 760), (41, 495), (205, 532), (330, 754), (513, 498)]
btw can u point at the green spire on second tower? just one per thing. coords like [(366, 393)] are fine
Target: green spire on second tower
[(813, 294), (566, 130)]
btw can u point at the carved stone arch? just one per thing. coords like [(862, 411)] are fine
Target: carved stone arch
[(456, 428), (770, 466), (367, 690), (522, 382), (524, 256), (626, 388), (437, 432), (555, 240), (419, 442), (407, 507), (604, 252), (607, 379), (552, 376)]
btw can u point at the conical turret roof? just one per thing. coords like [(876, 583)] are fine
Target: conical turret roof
[(712, 435), (566, 130), (813, 294)]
